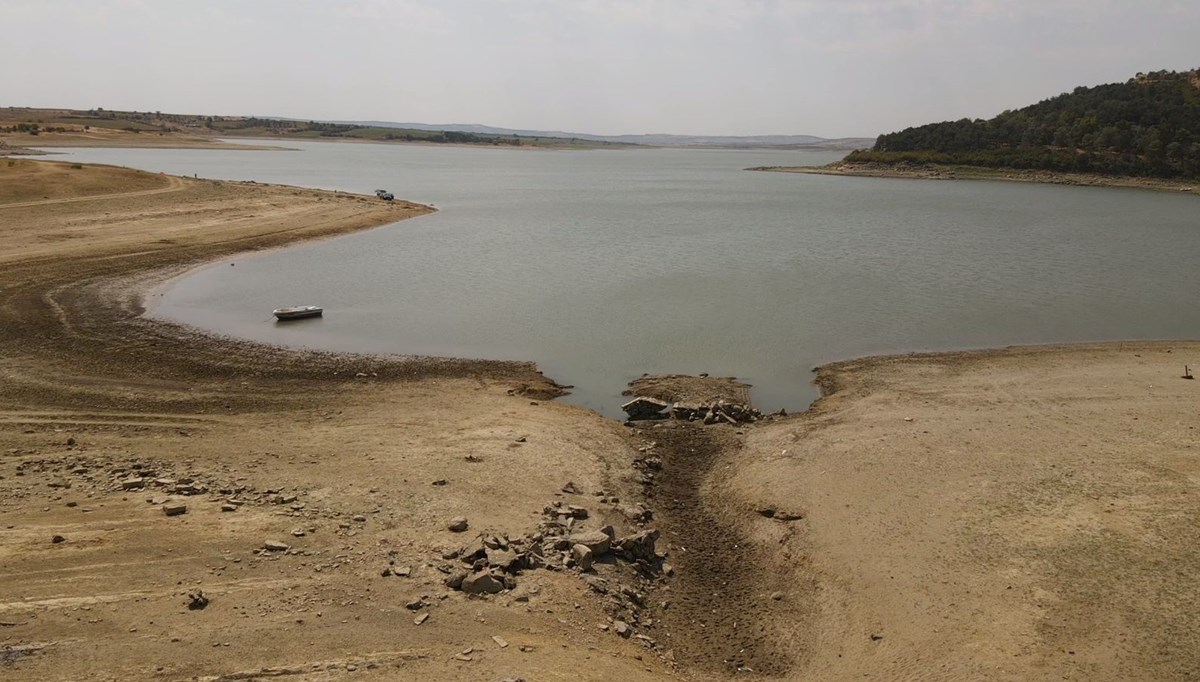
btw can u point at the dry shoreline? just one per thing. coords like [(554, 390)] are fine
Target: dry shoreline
[(934, 172), (998, 514)]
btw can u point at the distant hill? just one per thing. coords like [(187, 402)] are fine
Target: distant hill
[(1146, 126), (651, 139), (50, 127)]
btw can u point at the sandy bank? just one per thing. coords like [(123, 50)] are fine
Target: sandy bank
[(933, 172), (21, 143), (1028, 513), (335, 455)]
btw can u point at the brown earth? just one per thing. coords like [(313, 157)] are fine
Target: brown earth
[(1029, 513), (92, 394), (1018, 514)]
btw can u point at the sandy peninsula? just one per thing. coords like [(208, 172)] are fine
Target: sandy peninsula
[(926, 171), (178, 506)]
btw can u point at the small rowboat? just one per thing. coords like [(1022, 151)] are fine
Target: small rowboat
[(298, 312)]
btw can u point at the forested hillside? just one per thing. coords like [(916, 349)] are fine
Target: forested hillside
[(1147, 126)]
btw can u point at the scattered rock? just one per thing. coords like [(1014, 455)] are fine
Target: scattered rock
[(197, 601), (622, 628), (597, 541), (583, 557), (500, 641), (481, 582), (455, 580), (416, 604), (458, 524), (421, 619), (57, 539), (776, 596), (505, 560), (174, 509), (276, 546), (229, 507)]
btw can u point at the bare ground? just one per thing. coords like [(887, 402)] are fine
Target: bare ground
[(1029, 513), (335, 455)]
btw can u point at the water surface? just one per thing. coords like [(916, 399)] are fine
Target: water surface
[(602, 265)]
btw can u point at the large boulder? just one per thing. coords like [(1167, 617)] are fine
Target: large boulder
[(642, 407), (597, 541), (481, 582), (583, 557), (639, 546)]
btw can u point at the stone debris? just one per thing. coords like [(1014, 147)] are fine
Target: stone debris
[(276, 546), (500, 642), (421, 618), (713, 412), (83, 470), (197, 601), (57, 539), (583, 557), (174, 509), (620, 569), (458, 524)]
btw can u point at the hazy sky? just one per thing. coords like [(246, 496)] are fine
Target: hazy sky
[(823, 67)]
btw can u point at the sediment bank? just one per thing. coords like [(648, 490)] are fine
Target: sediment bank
[(936, 172)]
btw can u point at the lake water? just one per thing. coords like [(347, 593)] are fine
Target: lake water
[(602, 265)]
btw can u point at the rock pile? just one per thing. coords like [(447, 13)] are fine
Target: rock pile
[(622, 568), (715, 412)]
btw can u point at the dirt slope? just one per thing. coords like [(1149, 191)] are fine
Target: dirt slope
[(336, 456)]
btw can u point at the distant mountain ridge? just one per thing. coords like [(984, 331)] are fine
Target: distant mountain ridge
[(651, 139)]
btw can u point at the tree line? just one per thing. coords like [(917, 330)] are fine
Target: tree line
[(1147, 126)]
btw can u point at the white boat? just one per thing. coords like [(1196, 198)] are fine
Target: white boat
[(298, 312)]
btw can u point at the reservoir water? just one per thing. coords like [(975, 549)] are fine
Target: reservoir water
[(602, 265)]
